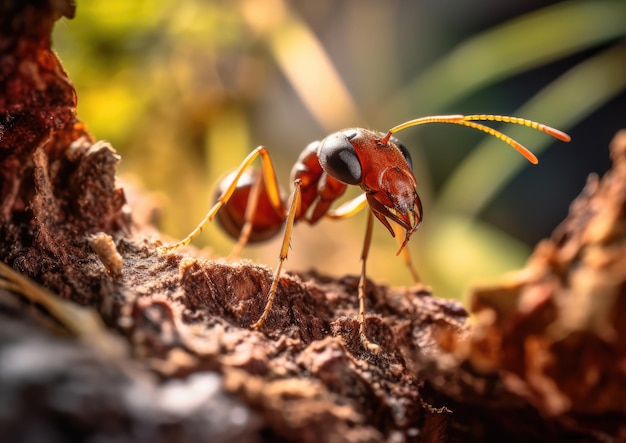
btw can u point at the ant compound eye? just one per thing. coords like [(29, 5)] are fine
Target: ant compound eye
[(339, 159), (404, 150)]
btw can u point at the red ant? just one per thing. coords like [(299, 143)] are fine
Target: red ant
[(251, 206)]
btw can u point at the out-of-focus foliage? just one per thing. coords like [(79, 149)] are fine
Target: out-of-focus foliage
[(185, 89)]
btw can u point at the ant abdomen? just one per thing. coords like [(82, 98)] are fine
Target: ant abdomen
[(266, 221)]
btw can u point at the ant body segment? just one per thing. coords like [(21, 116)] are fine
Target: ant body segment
[(251, 207)]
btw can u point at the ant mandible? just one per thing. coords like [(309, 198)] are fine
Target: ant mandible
[(251, 206)]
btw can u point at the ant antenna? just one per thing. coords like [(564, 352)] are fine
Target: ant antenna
[(470, 120)]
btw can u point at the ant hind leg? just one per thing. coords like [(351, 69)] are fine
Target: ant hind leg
[(251, 207), (272, 189)]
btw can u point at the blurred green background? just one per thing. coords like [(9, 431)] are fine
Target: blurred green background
[(185, 89)]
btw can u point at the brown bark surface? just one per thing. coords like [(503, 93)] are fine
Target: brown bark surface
[(161, 350)]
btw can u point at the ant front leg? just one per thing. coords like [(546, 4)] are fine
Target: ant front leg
[(355, 205), (346, 210), (363, 285)]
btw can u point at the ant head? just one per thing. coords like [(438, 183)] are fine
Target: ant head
[(382, 166), (383, 169), (344, 154)]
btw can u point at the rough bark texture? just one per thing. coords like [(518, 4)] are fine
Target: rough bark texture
[(161, 350), (553, 335)]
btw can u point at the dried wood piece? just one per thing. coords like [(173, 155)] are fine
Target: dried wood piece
[(554, 334)]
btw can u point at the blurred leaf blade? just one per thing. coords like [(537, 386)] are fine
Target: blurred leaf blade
[(562, 104), (521, 44), (306, 64)]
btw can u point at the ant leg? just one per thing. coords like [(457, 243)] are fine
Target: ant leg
[(355, 205), (272, 188), (406, 255), (363, 283), (246, 230), (348, 209), (284, 250)]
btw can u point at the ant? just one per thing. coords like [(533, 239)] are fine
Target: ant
[(251, 206)]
